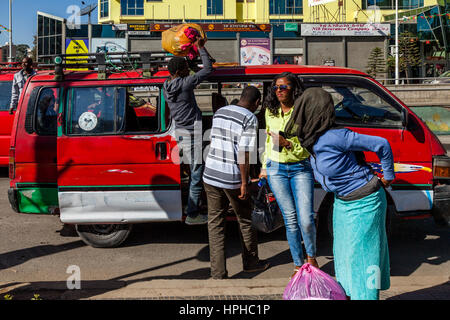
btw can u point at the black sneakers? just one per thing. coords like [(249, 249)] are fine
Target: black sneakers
[(260, 266)]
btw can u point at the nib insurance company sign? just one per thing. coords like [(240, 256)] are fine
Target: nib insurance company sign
[(345, 29)]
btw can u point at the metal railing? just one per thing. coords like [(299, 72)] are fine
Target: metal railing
[(412, 81)]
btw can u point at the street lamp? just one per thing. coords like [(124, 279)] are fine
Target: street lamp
[(396, 44), (87, 11), (10, 31)]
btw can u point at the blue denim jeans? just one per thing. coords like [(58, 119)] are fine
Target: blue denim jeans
[(293, 187), (192, 155)]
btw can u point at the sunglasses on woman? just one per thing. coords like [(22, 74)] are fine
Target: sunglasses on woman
[(282, 87)]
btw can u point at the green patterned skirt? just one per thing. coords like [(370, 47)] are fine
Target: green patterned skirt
[(360, 248)]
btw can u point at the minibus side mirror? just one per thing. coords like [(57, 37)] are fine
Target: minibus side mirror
[(405, 116)]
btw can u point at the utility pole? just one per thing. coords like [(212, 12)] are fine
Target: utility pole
[(10, 31)]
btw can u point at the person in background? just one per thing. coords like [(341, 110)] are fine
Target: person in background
[(361, 255), (226, 179), (179, 94), (20, 78), (287, 168)]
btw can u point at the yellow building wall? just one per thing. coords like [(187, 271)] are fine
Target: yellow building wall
[(170, 10), (256, 11)]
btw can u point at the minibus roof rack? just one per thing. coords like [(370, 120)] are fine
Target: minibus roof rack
[(148, 62), (10, 66)]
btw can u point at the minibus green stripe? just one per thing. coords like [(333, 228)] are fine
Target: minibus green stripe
[(37, 200)]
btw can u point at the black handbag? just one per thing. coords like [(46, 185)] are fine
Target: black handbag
[(266, 215)]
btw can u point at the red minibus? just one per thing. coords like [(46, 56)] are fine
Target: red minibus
[(107, 169), (7, 71)]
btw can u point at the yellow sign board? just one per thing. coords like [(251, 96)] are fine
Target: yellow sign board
[(77, 47)]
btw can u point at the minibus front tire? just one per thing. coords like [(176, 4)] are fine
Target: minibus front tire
[(104, 235)]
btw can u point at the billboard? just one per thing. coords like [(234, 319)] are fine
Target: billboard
[(345, 29), (255, 51), (79, 47), (109, 45)]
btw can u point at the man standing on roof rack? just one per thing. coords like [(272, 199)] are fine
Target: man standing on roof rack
[(20, 78), (179, 94)]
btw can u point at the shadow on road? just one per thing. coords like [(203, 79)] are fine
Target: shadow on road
[(439, 292), (17, 257)]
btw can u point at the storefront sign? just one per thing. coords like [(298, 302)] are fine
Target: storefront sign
[(120, 27), (237, 27), (255, 51), (289, 26), (140, 29), (345, 29)]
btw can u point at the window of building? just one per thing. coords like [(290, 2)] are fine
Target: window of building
[(132, 7), (286, 6), (214, 7), (49, 36), (390, 4), (104, 8)]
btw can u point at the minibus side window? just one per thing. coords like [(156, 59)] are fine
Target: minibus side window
[(47, 111), (142, 112), (360, 106), (95, 111), (5, 95)]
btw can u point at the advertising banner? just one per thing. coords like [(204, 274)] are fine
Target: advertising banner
[(255, 51), (345, 29), (112, 45)]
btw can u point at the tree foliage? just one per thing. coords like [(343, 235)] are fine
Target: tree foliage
[(21, 52), (408, 52), (376, 63)]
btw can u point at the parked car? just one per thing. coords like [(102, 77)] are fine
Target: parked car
[(104, 172), (443, 78)]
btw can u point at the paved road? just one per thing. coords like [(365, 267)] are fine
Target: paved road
[(161, 256)]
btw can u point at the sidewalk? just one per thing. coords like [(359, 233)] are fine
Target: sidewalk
[(402, 288)]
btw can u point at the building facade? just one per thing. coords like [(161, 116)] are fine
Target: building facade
[(313, 32), (253, 11)]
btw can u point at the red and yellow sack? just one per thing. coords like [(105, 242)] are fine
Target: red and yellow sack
[(179, 40)]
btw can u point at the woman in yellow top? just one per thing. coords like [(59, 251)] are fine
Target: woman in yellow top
[(288, 170)]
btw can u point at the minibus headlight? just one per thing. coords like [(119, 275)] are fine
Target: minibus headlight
[(441, 167)]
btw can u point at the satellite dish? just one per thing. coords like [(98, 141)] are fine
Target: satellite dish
[(88, 9), (374, 13)]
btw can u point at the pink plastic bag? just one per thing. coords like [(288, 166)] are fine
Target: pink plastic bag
[(310, 283)]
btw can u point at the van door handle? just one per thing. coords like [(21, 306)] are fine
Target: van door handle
[(161, 150)]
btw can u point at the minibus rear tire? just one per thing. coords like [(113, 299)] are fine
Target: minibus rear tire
[(104, 235)]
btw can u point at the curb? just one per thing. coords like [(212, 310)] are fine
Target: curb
[(257, 289)]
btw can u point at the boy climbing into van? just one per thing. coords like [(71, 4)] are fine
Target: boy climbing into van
[(179, 94)]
